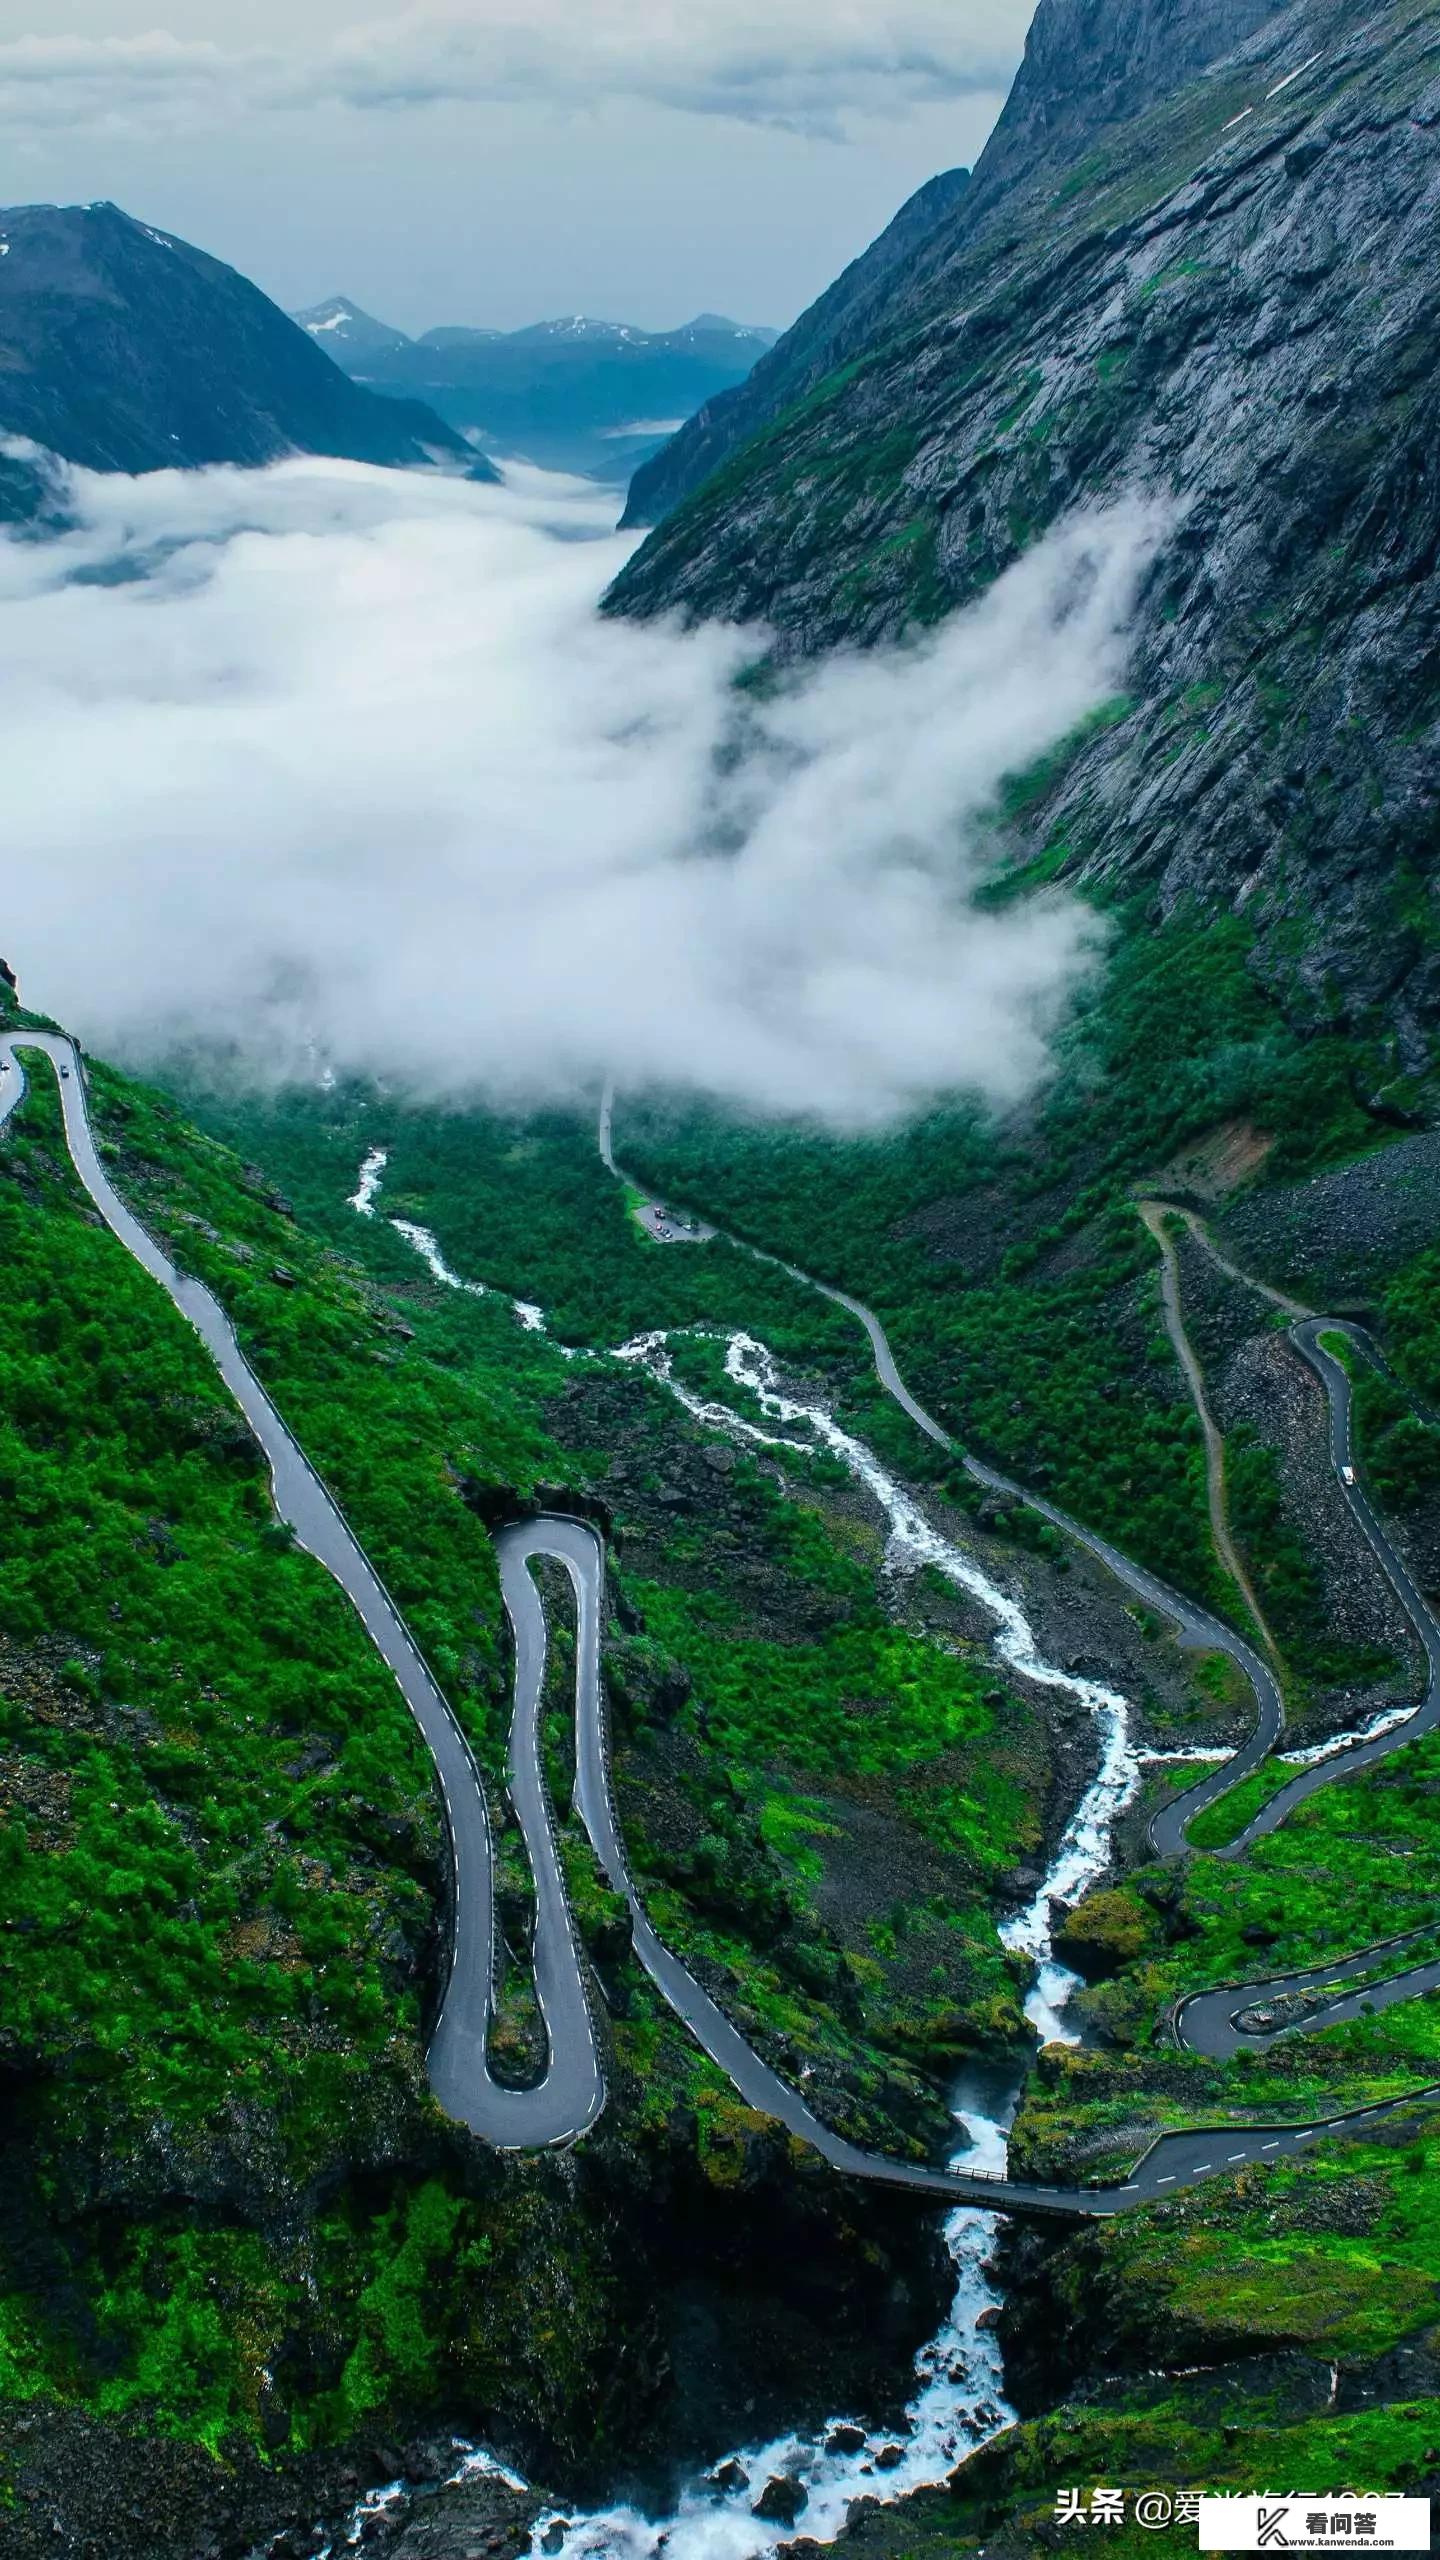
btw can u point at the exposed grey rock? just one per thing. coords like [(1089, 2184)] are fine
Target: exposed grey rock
[(1229, 303), (781, 2500), (843, 319), (1089, 64)]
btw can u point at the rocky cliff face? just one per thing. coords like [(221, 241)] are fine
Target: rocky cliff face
[(1229, 301), (1089, 64), (841, 322), (126, 350)]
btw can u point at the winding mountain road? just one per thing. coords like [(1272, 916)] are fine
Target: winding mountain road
[(1156, 1219), (1223, 2021), (1175, 2160), (568, 2098)]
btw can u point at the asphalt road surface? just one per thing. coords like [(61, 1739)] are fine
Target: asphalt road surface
[(1222, 2021)]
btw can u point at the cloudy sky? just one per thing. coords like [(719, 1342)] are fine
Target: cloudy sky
[(499, 161)]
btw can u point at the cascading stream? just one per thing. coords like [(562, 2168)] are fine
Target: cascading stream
[(959, 2396), (959, 2400), (914, 1543), (568, 2100)]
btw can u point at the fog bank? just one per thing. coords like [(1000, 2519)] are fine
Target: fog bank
[(334, 756)]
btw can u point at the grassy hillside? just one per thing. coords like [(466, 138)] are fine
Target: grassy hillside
[(235, 2219)]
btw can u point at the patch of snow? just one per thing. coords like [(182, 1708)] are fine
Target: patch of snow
[(1292, 76)]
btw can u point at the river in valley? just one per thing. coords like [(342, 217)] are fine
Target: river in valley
[(808, 2482)]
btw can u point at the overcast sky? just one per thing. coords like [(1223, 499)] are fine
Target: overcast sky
[(499, 161)]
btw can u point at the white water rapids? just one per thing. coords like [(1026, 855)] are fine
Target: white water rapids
[(1084, 1851), (421, 1241), (958, 2401)]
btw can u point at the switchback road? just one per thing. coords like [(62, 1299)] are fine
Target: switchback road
[(567, 2099), (1223, 2021), (570, 2096)]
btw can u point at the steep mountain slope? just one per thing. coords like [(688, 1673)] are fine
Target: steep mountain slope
[(1230, 303), (244, 2254), (1089, 64), (840, 321), (1092, 65), (577, 393), (126, 350)]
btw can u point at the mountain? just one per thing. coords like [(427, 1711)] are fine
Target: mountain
[(1196, 264), (820, 339), (253, 2274), (125, 349), (225, 1868), (1230, 303), (576, 330), (341, 323), (575, 393), (459, 337), (1088, 66)]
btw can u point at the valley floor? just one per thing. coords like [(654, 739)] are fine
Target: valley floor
[(826, 1780)]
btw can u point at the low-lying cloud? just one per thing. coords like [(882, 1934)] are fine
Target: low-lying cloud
[(791, 62), (334, 756)]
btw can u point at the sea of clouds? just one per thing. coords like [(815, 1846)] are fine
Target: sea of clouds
[(325, 759)]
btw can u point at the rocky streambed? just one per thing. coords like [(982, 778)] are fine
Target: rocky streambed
[(801, 2487)]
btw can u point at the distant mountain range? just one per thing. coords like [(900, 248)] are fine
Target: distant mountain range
[(576, 394), (124, 349)]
